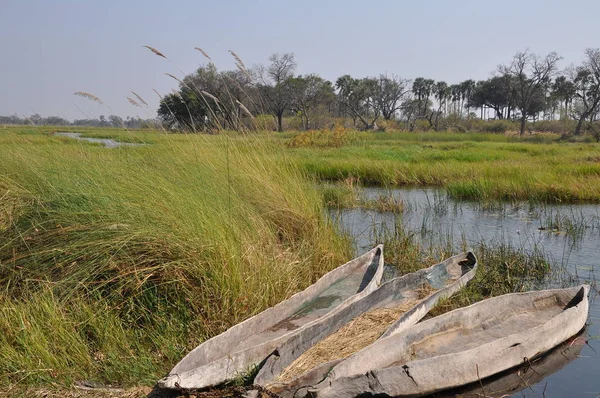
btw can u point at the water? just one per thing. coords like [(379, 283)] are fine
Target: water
[(107, 142), (569, 235)]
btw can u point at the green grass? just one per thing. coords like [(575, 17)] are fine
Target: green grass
[(503, 268), (115, 262), (474, 166)]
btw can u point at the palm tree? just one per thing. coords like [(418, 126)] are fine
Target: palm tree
[(467, 88), (422, 89), (564, 90), (455, 92), (441, 91)]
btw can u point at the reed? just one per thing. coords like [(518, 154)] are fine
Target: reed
[(115, 262), (483, 167)]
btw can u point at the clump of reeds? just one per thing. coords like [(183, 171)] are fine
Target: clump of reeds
[(502, 269), (384, 203), (114, 264)]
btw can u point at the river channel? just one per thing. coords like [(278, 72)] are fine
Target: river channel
[(567, 235)]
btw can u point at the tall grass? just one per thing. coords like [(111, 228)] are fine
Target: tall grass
[(115, 262), (503, 267), (474, 166)]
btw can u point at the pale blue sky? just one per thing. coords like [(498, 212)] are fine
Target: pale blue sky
[(51, 49)]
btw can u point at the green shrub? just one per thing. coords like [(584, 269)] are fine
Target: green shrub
[(497, 126), (335, 138)]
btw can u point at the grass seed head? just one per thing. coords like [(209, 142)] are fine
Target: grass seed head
[(139, 98), (155, 51), (89, 96), (203, 53), (133, 102)]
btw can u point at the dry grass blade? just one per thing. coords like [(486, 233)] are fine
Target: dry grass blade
[(157, 93), (139, 98), (155, 51), (243, 108), (174, 77), (203, 53), (239, 63), (133, 102), (89, 96), (177, 94), (209, 95)]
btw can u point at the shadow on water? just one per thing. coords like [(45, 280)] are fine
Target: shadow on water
[(567, 235)]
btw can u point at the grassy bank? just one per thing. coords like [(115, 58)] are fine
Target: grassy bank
[(475, 166), (116, 262)]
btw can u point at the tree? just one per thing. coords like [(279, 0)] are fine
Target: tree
[(422, 89), (586, 79), (182, 110), (35, 119), (389, 93), (115, 121), (494, 93), (274, 85), (563, 90), (442, 93), (308, 92), (467, 88), (410, 110), (218, 94), (531, 76), (207, 98), (357, 96)]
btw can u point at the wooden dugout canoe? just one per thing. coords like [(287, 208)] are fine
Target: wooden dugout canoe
[(462, 346), (523, 377), (306, 358), (248, 343)]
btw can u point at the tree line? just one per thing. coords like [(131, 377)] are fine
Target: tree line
[(101, 121), (528, 88)]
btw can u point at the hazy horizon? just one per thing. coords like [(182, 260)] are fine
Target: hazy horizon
[(53, 49)]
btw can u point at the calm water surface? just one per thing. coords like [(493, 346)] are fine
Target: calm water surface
[(107, 142), (432, 217)]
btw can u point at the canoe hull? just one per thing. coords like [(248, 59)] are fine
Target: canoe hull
[(522, 377), (377, 370), (462, 266), (222, 358)]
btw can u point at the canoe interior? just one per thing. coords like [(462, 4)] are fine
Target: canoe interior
[(455, 348), (387, 306), (322, 304), (477, 331)]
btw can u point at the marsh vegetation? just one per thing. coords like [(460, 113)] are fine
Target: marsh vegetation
[(114, 262)]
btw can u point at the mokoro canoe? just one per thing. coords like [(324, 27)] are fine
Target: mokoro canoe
[(306, 359), (526, 376), (248, 343), (462, 346)]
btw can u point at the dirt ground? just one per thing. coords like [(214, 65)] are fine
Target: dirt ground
[(135, 392)]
